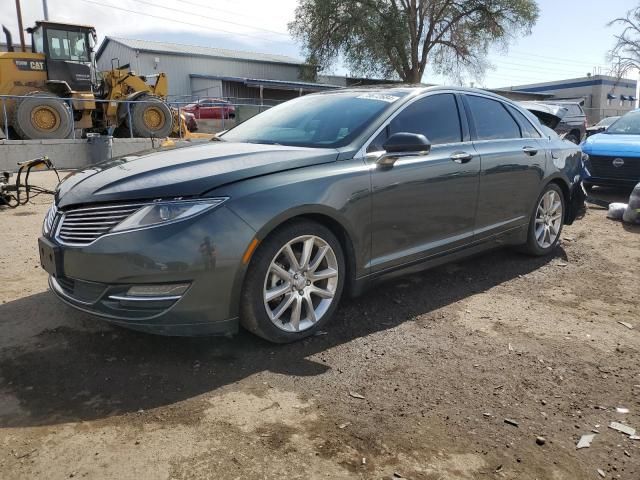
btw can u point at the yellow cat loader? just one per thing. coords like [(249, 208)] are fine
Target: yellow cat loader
[(61, 83)]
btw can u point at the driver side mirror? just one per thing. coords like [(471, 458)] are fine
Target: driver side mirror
[(403, 145)]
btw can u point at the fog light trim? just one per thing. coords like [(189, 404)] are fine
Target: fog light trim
[(152, 293)]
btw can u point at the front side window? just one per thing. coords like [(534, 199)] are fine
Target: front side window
[(491, 119), (66, 45), (322, 121), (436, 117)]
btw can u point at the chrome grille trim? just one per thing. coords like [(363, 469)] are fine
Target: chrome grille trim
[(50, 220), (82, 226)]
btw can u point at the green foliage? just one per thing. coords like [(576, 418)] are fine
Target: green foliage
[(398, 38)]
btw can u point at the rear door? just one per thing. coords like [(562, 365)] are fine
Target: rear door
[(512, 164), (424, 205)]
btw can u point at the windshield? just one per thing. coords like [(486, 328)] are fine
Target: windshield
[(321, 121), (605, 122), (627, 125), (66, 45)]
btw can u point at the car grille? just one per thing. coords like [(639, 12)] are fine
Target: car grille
[(82, 226), (602, 167)]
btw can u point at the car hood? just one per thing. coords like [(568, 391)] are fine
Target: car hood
[(549, 115), (612, 144), (183, 172)]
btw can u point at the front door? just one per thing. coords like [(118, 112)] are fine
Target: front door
[(424, 205)]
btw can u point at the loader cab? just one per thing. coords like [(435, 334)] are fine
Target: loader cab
[(68, 52)]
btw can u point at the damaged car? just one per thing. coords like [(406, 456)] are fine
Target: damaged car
[(613, 156), (280, 217)]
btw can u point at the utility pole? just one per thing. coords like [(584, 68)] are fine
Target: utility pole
[(45, 10), (20, 28)]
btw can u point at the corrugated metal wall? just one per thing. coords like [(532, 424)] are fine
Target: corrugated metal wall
[(203, 87), (179, 67)]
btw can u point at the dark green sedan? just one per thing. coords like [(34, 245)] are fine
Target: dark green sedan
[(271, 225)]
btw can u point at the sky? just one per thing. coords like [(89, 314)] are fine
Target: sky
[(570, 38)]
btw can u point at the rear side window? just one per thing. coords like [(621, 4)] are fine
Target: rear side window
[(573, 109), (436, 117), (528, 130), (491, 119)]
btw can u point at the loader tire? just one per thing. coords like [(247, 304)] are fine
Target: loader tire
[(151, 118), (42, 116)]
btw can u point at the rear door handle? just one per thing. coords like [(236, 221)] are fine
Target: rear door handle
[(530, 150), (461, 157)]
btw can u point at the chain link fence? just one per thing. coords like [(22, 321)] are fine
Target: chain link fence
[(202, 115)]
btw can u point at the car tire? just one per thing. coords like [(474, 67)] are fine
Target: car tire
[(42, 115), (285, 300), (151, 117), (547, 220)]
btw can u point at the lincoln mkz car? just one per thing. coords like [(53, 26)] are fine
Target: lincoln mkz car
[(270, 225)]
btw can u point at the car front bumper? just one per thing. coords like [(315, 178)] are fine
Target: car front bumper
[(204, 252), (611, 182)]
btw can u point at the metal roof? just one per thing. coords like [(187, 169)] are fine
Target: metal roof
[(195, 50), (273, 84)]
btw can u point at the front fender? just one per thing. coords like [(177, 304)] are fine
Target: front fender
[(338, 192)]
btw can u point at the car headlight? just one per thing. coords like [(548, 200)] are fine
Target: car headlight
[(166, 212)]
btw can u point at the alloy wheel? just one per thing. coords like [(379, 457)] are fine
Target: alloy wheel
[(548, 219), (301, 283)]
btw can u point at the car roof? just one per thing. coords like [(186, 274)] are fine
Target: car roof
[(412, 90)]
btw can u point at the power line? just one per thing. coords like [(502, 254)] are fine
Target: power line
[(559, 59), (552, 62), (209, 18), (218, 9), (158, 17)]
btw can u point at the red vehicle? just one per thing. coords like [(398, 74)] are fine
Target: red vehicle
[(190, 120), (211, 108)]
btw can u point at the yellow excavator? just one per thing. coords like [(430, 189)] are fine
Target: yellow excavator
[(60, 83)]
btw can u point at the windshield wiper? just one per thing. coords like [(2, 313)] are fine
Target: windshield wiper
[(263, 142)]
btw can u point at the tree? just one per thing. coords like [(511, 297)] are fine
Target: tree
[(625, 55), (399, 38)]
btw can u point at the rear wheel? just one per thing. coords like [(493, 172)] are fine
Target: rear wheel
[(42, 116), (294, 283), (151, 117), (546, 222)]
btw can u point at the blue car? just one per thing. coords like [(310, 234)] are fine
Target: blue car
[(614, 155)]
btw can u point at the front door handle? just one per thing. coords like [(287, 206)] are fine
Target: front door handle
[(531, 151), (461, 157)]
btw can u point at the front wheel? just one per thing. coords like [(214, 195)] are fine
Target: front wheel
[(294, 282), (546, 221)]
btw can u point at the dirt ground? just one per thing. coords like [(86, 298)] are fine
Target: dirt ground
[(412, 380)]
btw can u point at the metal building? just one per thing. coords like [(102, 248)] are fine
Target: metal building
[(601, 95), (195, 71)]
